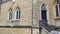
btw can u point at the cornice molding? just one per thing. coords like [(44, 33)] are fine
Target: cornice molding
[(4, 1)]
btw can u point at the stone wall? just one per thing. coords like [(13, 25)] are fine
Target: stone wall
[(25, 8), (15, 31)]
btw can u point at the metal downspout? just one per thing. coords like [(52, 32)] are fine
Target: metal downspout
[(32, 19)]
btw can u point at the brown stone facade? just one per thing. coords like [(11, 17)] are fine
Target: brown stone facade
[(30, 15)]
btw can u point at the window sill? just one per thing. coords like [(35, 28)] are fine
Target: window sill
[(14, 20), (57, 18)]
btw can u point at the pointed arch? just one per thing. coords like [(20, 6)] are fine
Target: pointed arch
[(9, 9), (16, 7), (44, 6)]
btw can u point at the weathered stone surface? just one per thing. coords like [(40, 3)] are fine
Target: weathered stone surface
[(15, 31)]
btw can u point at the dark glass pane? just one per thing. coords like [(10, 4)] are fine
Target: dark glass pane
[(44, 15), (57, 11), (59, 7), (17, 15)]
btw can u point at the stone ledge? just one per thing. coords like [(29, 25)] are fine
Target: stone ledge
[(19, 27), (15, 26), (58, 18)]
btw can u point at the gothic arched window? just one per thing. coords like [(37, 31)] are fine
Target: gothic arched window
[(44, 12), (18, 13), (57, 8), (10, 14)]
